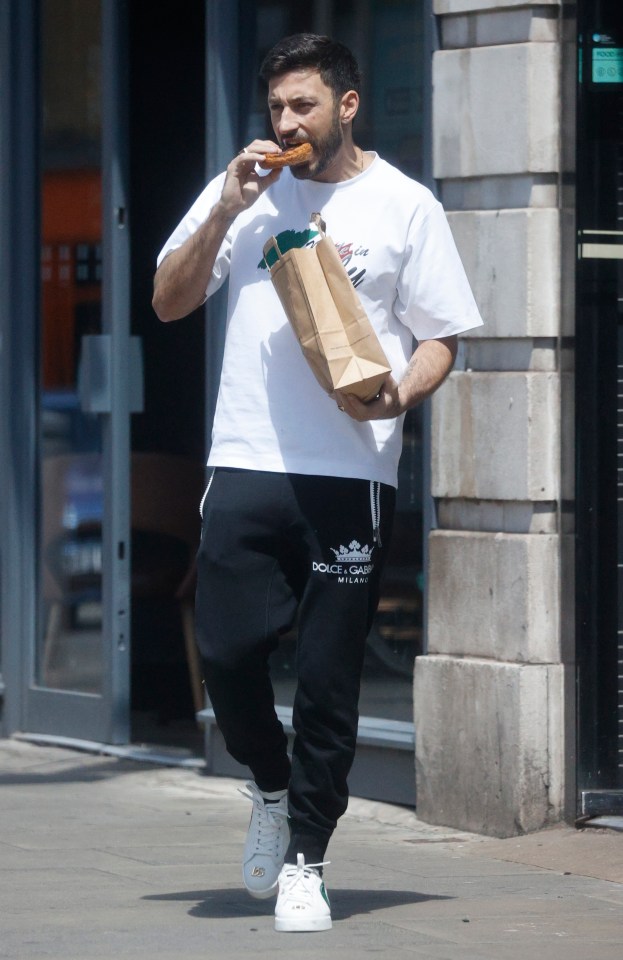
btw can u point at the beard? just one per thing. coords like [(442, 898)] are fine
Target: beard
[(325, 151)]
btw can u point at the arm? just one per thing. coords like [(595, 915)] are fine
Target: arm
[(182, 278), (428, 368)]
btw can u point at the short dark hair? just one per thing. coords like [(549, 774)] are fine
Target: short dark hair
[(334, 62)]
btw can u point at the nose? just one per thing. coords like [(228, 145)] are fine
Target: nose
[(288, 124)]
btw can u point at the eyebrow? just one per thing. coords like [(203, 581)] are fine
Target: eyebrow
[(298, 98)]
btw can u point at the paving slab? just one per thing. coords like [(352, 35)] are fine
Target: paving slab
[(590, 852)]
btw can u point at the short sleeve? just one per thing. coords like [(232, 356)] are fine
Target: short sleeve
[(198, 213), (433, 295)]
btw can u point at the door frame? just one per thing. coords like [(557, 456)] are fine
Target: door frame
[(19, 274), (28, 707)]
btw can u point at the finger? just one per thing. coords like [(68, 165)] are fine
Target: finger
[(258, 149), (350, 405), (362, 411), (247, 158), (264, 146), (246, 164), (265, 179)]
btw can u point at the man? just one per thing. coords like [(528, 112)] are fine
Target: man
[(303, 484)]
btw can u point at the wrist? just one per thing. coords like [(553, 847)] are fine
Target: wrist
[(402, 400), (223, 214)]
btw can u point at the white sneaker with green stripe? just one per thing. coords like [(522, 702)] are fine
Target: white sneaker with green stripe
[(302, 901)]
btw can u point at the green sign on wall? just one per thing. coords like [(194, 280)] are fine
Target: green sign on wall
[(608, 65)]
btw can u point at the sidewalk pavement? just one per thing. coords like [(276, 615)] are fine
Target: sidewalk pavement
[(107, 858)]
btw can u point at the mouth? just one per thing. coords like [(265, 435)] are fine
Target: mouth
[(289, 144)]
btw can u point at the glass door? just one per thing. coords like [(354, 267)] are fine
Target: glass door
[(78, 684)]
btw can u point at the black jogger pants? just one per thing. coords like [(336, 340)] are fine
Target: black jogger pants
[(273, 544)]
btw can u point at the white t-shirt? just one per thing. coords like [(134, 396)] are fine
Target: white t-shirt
[(396, 244)]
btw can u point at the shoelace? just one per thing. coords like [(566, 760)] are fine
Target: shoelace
[(270, 821), (296, 875)]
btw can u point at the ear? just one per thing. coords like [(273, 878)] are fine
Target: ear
[(349, 104)]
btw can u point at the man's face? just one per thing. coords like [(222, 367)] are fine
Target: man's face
[(303, 108)]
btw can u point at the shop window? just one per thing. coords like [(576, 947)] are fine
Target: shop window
[(70, 629)]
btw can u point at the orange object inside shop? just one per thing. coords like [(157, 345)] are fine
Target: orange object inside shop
[(70, 269)]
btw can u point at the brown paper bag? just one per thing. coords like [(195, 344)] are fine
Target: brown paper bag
[(326, 314)]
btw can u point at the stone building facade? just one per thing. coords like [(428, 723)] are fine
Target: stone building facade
[(494, 694)]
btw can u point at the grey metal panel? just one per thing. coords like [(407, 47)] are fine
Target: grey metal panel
[(19, 304), (598, 802), (371, 731), (136, 394), (63, 713), (116, 324), (95, 374)]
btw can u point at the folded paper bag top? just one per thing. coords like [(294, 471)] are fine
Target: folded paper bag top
[(323, 308)]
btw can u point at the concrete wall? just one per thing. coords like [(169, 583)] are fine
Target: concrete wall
[(492, 702)]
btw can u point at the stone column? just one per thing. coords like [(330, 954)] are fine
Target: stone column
[(492, 695)]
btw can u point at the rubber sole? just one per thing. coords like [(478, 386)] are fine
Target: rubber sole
[(303, 926), (262, 894)]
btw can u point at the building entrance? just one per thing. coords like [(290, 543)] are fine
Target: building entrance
[(599, 393)]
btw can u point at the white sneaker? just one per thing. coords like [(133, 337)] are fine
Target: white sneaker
[(267, 841), (302, 902)]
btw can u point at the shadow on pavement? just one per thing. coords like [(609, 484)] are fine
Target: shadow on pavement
[(69, 771), (229, 902)]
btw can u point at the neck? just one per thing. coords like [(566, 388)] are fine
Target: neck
[(349, 163)]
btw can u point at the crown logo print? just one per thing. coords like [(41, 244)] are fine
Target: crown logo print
[(353, 553)]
